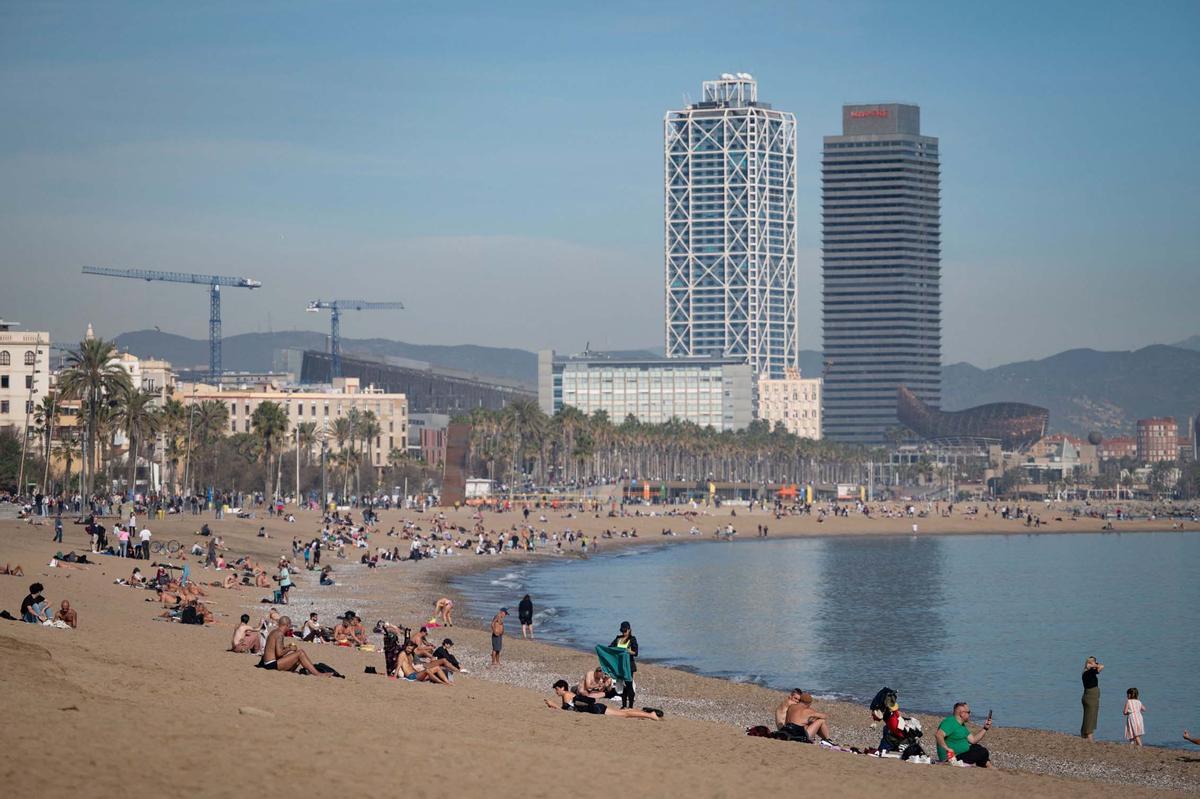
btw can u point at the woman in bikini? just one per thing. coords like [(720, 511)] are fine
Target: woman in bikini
[(444, 609)]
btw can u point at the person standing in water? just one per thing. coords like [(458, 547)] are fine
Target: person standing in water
[(525, 614), (628, 641), (1091, 697)]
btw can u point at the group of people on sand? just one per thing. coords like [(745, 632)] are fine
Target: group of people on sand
[(36, 610)]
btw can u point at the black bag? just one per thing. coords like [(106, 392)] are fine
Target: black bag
[(325, 668), (191, 616)]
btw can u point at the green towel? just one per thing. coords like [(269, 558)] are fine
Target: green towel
[(615, 662)]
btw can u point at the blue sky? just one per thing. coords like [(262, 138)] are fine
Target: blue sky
[(498, 167)]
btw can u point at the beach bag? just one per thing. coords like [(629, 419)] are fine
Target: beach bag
[(325, 668), (758, 732)]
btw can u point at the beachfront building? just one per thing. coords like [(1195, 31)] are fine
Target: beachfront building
[(730, 226), (322, 405), (1117, 447), (24, 375), (881, 215), (1157, 439), (793, 401), (708, 391)]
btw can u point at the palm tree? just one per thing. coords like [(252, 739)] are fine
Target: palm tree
[(173, 421), (91, 375), (368, 430), (136, 415), (307, 433), (45, 416), (209, 420), (270, 424)]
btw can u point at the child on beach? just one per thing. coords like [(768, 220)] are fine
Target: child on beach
[(1135, 728)]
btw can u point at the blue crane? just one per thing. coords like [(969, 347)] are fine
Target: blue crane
[(335, 308), (214, 282)]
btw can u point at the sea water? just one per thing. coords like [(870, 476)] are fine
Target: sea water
[(1004, 622)]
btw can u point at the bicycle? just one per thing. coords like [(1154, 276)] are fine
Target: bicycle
[(171, 547)]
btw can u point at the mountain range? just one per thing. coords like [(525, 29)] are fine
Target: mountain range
[(1084, 389)]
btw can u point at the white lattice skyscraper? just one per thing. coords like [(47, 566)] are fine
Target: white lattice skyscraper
[(730, 222)]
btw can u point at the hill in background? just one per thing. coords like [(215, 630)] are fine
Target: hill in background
[(1084, 389)]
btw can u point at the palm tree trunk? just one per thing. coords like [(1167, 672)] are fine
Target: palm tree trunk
[(132, 465)]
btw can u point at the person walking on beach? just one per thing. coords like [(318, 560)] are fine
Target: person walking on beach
[(627, 640), (525, 615), (498, 635), (1135, 728), (1091, 697)]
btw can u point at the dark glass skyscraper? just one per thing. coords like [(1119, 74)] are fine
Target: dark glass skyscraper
[(881, 212)]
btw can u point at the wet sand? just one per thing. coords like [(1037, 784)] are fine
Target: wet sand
[(128, 703)]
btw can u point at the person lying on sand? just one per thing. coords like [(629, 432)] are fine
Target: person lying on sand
[(802, 718), (597, 685), (407, 668), (15, 571), (568, 700), (67, 615), (245, 637), (278, 656)]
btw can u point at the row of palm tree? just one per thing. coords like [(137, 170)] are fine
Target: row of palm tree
[(571, 447)]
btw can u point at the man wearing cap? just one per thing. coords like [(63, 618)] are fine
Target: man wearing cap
[(498, 635)]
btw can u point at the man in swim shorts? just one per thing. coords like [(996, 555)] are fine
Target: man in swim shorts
[(278, 656), (498, 635)]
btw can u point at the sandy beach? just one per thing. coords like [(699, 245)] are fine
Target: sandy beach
[(127, 703)]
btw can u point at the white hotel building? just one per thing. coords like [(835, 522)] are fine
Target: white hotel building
[(716, 392)]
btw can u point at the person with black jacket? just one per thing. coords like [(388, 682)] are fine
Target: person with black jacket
[(628, 641)]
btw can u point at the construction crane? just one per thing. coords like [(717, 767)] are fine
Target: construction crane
[(214, 282), (335, 308)]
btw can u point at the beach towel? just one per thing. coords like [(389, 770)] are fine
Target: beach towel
[(615, 662)]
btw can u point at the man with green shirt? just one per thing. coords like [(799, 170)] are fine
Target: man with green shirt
[(955, 741)]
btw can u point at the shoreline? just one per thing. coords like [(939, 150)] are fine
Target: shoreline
[(451, 587), (405, 591)]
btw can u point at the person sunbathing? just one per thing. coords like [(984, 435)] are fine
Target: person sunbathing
[(343, 633), (802, 719), (280, 656), (15, 571), (420, 641), (408, 669), (569, 700), (245, 637), (358, 632), (67, 615), (597, 685)]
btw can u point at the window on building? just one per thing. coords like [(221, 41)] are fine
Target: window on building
[(233, 409), (30, 358), (28, 406), (233, 426), (28, 381), (3, 381), (5, 358), (300, 409), (3, 406), (247, 425)]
